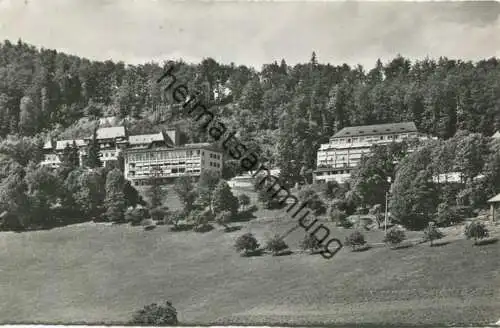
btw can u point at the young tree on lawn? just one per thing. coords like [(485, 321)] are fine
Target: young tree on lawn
[(432, 233), (244, 200), (394, 236), (115, 198), (476, 230), (276, 245), (355, 240), (246, 243), (224, 200)]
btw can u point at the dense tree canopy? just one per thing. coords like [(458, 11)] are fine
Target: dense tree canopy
[(282, 112)]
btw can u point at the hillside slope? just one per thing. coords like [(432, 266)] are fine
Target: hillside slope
[(97, 273)]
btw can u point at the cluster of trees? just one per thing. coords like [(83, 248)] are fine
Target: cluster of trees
[(209, 199), (33, 196), (248, 245), (282, 111), (421, 192), (420, 181)]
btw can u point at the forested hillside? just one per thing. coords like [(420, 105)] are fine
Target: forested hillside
[(286, 111)]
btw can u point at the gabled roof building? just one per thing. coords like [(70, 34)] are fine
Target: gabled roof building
[(337, 159)]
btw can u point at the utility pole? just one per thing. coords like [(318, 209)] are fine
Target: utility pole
[(387, 205)]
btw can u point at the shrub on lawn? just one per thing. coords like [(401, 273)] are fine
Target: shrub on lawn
[(158, 213), (432, 233), (394, 236), (155, 314), (476, 230), (276, 245), (246, 243), (310, 243), (355, 240), (136, 215)]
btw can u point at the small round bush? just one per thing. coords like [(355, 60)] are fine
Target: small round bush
[(246, 243), (310, 243), (136, 215), (476, 230), (154, 314), (355, 240), (276, 245), (394, 236), (158, 213)]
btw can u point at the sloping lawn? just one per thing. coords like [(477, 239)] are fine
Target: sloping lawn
[(100, 274)]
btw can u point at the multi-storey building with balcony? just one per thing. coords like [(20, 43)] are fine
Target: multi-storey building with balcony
[(167, 162), (158, 155), (337, 159)]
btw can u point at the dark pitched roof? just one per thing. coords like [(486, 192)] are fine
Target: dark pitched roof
[(364, 130)]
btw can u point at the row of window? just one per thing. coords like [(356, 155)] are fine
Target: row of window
[(373, 138), (214, 164), (216, 156), (163, 155), (161, 172), (106, 155), (334, 172)]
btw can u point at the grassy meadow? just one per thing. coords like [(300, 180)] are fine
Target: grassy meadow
[(98, 273)]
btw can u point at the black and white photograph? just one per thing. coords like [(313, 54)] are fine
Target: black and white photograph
[(250, 163)]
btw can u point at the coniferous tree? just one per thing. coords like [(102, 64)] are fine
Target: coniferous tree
[(224, 200), (93, 159), (156, 192), (115, 198)]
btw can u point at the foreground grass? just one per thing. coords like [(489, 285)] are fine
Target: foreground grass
[(97, 273)]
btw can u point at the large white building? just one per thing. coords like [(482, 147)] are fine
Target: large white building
[(337, 159), (169, 162), (158, 155)]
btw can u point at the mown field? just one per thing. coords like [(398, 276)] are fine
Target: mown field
[(96, 273)]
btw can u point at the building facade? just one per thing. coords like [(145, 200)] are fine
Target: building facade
[(145, 156), (337, 159), (167, 163)]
